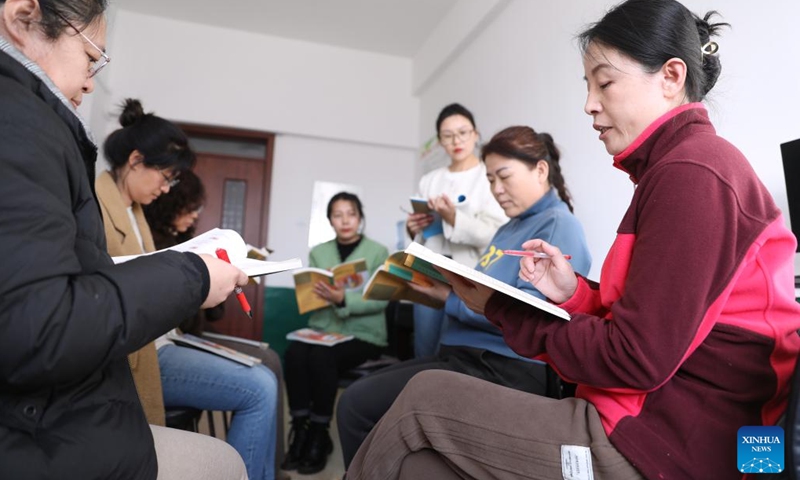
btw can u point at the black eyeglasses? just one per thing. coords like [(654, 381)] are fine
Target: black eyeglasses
[(170, 181)]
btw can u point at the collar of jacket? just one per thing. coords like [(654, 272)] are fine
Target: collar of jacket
[(19, 68), (109, 195), (660, 137), (547, 201)]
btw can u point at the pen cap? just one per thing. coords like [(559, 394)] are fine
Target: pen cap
[(222, 255)]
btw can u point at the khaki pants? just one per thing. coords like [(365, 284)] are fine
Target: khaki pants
[(481, 430), (185, 455)]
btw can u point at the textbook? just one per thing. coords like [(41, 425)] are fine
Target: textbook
[(188, 340), (244, 341), (309, 335), (351, 275), (233, 243), (390, 282), (420, 205), (418, 257)]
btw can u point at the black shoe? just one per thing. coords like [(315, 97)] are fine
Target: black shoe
[(318, 448), (298, 440)]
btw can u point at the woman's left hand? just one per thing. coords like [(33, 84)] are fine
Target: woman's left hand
[(333, 294), (474, 295), (436, 290), (444, 207)]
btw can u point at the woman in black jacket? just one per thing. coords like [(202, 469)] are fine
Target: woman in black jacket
[(68, 316)]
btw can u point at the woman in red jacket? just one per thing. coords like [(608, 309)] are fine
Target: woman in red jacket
[(691, 332)]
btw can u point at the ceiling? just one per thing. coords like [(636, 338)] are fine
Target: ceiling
[(392, 27)]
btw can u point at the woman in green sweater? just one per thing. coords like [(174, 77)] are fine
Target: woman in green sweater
[(312, 371)]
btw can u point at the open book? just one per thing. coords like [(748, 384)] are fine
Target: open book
[(233, 243), (351, 275), (420, 257), (308, 335), (188, 340), (390, 282)]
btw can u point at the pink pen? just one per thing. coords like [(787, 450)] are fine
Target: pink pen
[(528, 253)]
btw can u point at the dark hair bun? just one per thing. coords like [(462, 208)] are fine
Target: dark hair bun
[(132, 111)]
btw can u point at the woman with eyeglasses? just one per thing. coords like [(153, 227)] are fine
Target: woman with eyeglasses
[(147, 155), (172, 219), (69, 317), (691, 332), (523, 169), (460, 198)]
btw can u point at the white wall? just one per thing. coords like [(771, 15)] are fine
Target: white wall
[(383, 173), (339, 114), (525, 68)]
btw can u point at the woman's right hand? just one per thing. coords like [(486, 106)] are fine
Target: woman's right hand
[(417, 222), (553, 276), (224, 278)]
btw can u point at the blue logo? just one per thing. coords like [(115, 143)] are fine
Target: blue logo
[(760, 450)]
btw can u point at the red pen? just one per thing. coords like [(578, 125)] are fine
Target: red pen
[(528, 253), (223, 255)]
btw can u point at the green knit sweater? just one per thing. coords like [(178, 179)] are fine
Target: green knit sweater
[(365, 319)]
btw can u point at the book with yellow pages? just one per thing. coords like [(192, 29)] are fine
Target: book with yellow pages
[(422, 259), (351, 275), (233, 243), (390, 282)]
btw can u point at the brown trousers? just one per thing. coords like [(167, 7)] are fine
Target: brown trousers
[(481, 430)]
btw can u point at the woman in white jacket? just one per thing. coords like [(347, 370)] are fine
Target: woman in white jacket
[(460, 197)]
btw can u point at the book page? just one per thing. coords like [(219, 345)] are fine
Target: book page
[(351, 275), (304, 281), (243, 341), (189, 340), (420, 252), (231, 241)]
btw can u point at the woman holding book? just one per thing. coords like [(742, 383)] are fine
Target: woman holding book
[(691, 333), (172, 219), (524, 173), (312, 371), (459, 196), (69, 317), (147, 157)]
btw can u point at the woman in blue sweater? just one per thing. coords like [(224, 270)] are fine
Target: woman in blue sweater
[(524, 174)]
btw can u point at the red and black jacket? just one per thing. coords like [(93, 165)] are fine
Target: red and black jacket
[(691, 332)]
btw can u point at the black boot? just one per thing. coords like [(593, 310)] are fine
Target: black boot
[(298, 440), (319, 447)]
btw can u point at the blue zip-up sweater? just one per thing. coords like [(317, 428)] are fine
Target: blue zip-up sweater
[(548, 219)]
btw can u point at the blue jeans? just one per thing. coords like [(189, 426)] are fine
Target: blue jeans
[(428, 325), (196, 379)]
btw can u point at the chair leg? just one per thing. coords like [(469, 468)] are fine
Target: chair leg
[(211, 429), (225, 423)]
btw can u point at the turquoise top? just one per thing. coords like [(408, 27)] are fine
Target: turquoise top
[(365, 319)]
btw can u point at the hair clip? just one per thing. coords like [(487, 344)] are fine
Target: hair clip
[(710, 48)]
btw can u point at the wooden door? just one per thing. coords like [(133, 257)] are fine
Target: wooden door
[(236, 168)]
